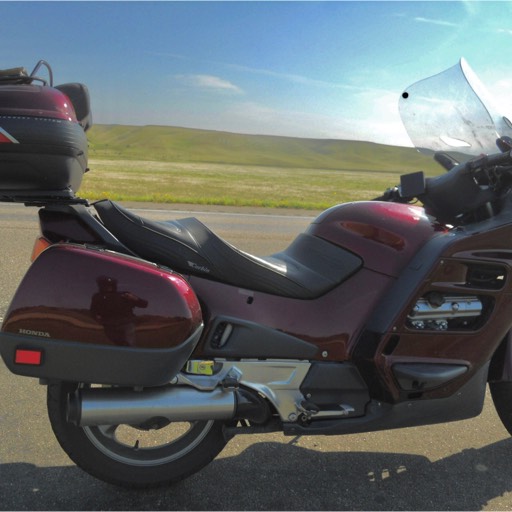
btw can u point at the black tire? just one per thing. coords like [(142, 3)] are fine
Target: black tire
[(106, 453), (501, 393)]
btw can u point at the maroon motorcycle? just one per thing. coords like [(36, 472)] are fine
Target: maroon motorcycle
[(158, 341)]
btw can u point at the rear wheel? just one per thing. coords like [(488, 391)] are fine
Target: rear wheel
[(501, 393), (135, 456)]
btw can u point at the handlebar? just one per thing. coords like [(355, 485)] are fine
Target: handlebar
[(463, 189), (486, 161)]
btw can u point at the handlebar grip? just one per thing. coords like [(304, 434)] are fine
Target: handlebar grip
[(490, 160), (390, 195)]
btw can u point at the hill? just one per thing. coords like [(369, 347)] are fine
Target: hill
[(174, 144)]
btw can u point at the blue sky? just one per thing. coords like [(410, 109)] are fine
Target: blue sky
[(307, 69)]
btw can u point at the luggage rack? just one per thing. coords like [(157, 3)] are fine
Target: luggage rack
[(37, 198), (20, 76), (55, 201)]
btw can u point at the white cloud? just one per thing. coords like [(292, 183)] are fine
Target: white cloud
[(443, 23), (290, 77), (210, 82)]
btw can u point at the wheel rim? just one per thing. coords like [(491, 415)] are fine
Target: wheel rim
[(137, 447)]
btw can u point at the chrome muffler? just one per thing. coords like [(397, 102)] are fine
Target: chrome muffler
[(116, 406)]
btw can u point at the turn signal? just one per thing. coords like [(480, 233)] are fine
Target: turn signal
[(40, 245)]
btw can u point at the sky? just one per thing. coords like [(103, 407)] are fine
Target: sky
[(331, 70)]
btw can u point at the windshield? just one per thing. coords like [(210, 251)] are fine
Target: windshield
[(452, 112)]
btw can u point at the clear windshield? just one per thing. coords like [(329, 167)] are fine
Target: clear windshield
[(452, 112)]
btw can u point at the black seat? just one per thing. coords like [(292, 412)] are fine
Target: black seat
[(307, 269)]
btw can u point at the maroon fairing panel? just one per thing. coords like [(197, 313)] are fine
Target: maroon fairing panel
[(332, 322), (451, 275), (385, 235)]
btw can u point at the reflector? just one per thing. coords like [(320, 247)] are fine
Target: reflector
[(40, 245), (32, 357)]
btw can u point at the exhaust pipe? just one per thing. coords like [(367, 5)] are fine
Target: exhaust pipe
[(116, 406)]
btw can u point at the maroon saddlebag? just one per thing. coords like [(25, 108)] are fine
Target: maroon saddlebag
[(95, 316)]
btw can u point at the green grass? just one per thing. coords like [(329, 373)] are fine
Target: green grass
[(177, 165)]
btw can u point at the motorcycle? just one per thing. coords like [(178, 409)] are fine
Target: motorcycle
[(159, 341)]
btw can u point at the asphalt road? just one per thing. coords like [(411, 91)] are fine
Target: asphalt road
[(459, 466)]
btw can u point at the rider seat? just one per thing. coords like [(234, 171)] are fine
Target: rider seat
[(307, 269)]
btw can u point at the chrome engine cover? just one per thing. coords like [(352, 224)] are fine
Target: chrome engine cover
[(436, 311)]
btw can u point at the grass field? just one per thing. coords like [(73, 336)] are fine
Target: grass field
[(176, 165)]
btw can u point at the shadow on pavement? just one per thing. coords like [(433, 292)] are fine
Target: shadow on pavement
[(273, 476)]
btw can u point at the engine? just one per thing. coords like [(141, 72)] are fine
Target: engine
[(439, 312)]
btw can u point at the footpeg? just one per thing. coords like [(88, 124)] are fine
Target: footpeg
[(309, 407), (232, 379)]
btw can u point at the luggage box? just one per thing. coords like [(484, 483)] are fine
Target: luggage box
[(43, 147), (87, 315)]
